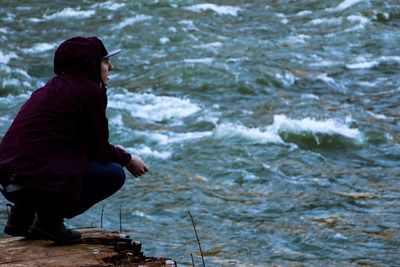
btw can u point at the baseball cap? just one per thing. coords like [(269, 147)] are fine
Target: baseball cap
[(112, 53)]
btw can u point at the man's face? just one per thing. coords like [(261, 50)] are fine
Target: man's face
[(106, 68)]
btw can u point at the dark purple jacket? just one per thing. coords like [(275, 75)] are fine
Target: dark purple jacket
[(63, 125)]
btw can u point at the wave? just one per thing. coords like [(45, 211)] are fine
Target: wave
[(363, 63), (110, 5), (70, 13), (131, 21), (283, 18), (145, 151), (15, 80), (164, 40), (6, 57), (304, 13), (212, 47), (171, 137), (344, 5), (152, 107), (284, 130), (39, 48), (298, 39), (255, 135), (11, 100), (361, 20), (325, 78), (207, 61), (377, 116), (327, 21), (220, 10), (304, 133), (329, 126)]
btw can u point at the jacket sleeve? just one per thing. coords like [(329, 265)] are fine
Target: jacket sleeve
[(97, 133)]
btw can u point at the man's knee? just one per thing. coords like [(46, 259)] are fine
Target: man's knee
[(119, 176)]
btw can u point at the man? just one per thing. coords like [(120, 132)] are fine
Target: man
[(55, 159)]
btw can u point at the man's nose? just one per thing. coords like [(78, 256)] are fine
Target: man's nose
[(110, 67)]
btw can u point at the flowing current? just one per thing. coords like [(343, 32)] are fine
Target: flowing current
[(275, 123)]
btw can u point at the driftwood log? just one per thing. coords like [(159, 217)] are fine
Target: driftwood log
[(98, 248)]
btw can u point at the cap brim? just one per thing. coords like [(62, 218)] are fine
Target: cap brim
[(113, 53)]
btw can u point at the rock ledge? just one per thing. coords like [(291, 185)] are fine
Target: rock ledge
[(99, 248)]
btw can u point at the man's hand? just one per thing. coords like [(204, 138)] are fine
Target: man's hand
[(136, 166)]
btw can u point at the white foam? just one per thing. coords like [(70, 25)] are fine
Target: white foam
[(116, 120), (344, 5), (147, 151), (234, 60), (270, 134), (207, 60), (309, 96), (283, 18), (5, 118), (210, 116), (366, 84), (9, 70), (171, 137), (5, 58), (10, 17), (39, 48), (257, 135), (395, 59), (329, 126), (325, 78), (339, 236), (12, 82), (152, 107), (377, 116), (34, 20), (361, 20), (327, 21), (70, 13), (164, 40), (110, 5), (141, 214), (220, 10), (189, 24), (209, 46), (325, 63), (362, 63), (286, 78), (358, 18), (11, 100), (298, 39), (304, 13), (247, 176), (131, 21), (358, 27)]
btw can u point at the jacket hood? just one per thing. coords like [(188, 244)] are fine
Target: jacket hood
[(80, 56)]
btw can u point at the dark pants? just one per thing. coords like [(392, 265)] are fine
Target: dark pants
[(98, 182)]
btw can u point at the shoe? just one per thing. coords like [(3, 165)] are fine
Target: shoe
[(19, 221), (55, 231)]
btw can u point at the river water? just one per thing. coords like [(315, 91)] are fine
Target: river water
[(275, 123)]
